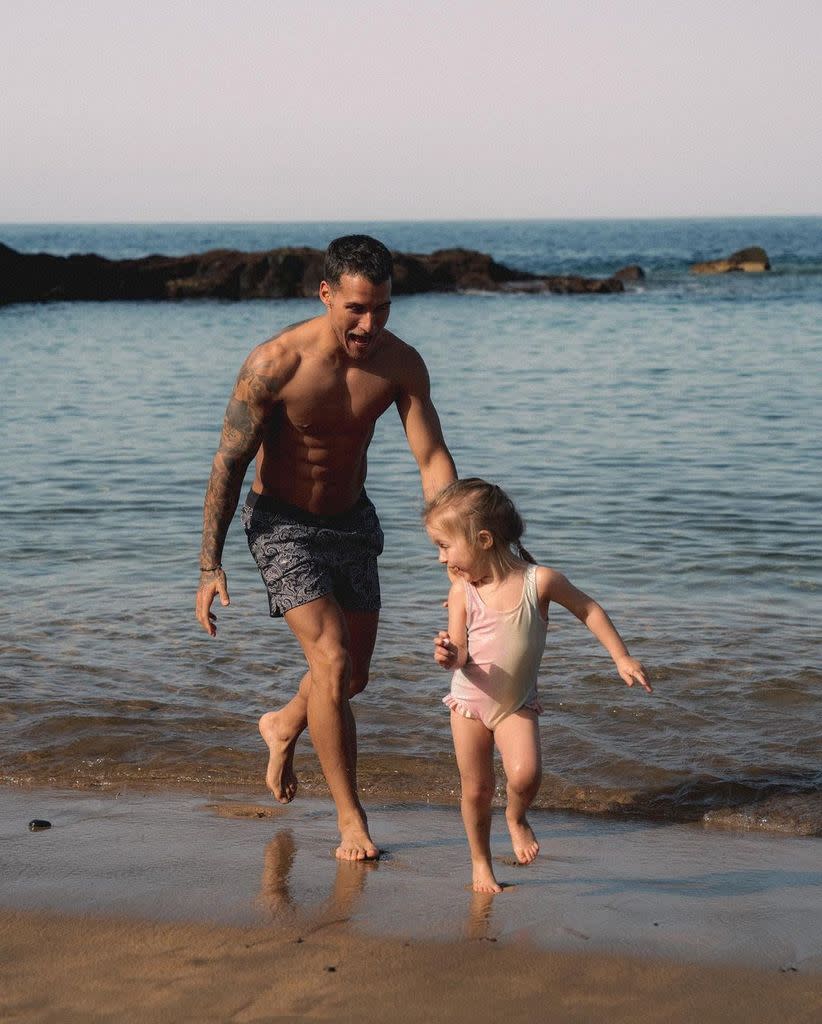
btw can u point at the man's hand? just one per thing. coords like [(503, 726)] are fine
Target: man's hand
[(212, 583), (445, 653)]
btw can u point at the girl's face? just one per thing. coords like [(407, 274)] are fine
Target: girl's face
[(467, 560)]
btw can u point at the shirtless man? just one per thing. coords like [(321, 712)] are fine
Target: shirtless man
[(305, 404)]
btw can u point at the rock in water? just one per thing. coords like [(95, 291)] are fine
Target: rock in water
[(752, 260), (632, 273), (277, 273)]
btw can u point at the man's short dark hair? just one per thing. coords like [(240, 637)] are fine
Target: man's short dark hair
[(359, 256)]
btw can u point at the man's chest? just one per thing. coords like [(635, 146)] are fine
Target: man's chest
[(323, 402)]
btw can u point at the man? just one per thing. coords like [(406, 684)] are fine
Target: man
[(305, 404)]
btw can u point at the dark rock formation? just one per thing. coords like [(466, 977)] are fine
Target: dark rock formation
[(565, 284), (631, 273), (278, 273), (220, 273), (753, 260)]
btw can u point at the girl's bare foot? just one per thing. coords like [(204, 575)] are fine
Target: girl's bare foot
[(523, 841), (483, 879), (279, 776)]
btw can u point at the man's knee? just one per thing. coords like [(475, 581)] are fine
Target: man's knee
[(359, 681), (331, 669)]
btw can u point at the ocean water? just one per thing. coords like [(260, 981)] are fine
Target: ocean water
[(663, 447)]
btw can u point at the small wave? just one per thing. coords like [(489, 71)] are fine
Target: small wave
[(786, 814), (787, 805), (791, 805)]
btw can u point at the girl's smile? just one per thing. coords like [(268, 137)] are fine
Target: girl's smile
[(459, 555)]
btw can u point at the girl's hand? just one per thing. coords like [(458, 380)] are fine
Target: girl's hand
[(445, 653), (631, 671)]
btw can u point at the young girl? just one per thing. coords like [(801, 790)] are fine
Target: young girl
[(497, 623)]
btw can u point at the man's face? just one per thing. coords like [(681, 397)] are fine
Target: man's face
[(358, 311)]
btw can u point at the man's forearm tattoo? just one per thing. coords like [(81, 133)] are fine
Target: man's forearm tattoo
[(243, 427)]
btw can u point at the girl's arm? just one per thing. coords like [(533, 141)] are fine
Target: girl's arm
[(451, 645), (553, 586)]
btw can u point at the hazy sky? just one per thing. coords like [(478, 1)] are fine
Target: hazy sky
[(177, 110)]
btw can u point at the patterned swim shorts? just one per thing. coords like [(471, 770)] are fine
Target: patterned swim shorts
[(302, 557)]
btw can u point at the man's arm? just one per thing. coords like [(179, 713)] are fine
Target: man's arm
[(422, 429), (249, 409)]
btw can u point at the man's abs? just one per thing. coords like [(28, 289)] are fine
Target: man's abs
[(322, 481)]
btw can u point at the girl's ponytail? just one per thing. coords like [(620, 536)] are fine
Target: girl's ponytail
[(524, 554)]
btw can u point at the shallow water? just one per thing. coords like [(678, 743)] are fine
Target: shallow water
[(646, 889), (663, 447)]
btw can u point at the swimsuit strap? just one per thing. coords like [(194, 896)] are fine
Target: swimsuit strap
[(530, 584)]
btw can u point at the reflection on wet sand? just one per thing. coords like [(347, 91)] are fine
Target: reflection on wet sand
[(275, 888), (478, 922), (278, 860), (480, 911)]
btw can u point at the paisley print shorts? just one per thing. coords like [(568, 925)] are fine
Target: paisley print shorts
[(302, 557)]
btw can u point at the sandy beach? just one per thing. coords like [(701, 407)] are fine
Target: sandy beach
[(180, 906)]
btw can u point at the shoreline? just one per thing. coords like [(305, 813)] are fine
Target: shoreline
[(225, 907), (790, 807), (651, 888)]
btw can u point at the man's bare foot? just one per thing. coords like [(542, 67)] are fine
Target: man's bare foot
[(279, 776), (523, 841), (356, 844), (483, 879)]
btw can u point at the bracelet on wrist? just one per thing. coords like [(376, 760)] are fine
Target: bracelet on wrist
[(211, 568)]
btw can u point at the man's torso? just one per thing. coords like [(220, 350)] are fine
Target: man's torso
[(314, 452)]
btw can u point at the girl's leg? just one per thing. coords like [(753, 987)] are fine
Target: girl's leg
[(474, 747), (517, 739)]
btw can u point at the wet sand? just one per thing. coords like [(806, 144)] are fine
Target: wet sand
[(174, 906)]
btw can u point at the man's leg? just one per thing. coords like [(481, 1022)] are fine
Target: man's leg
[(322, 631), (281, 729)]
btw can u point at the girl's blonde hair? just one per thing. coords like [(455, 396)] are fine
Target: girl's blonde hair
[(468, 506)]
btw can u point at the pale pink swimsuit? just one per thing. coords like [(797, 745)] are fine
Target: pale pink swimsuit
[(504, 654)]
